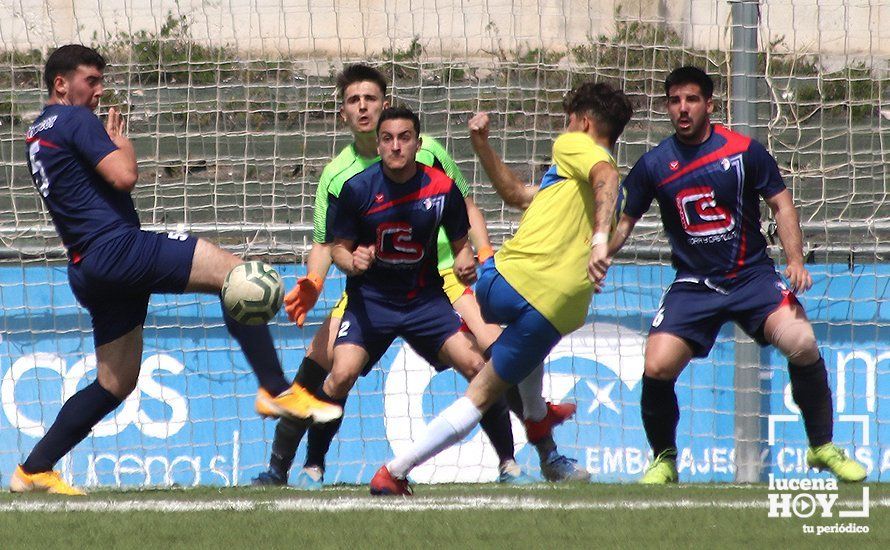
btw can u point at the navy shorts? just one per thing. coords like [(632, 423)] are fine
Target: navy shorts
[(528, 336), (425, 324), (696, 309), (115, 279)]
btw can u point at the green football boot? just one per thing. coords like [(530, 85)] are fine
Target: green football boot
[(663, 469), (832, 458)]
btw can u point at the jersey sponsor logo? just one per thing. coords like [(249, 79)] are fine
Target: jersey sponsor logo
[(44, 124), (378, 198), (395, 244), (674, 165), (701, 215)]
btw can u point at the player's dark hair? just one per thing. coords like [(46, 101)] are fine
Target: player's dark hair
[(68, 58), (689, 75), (359, 73), (399, 113), (608, 106)]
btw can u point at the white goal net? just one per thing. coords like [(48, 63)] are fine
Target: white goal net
[(233, 112)]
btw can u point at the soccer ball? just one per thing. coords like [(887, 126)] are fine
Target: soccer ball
[(252, 293)]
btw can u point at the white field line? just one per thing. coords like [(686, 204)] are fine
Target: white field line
[(390, 504)]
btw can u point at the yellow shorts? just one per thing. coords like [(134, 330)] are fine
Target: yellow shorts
[(339, 307), (453, 288)]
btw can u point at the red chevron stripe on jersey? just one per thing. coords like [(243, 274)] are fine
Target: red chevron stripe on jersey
[(735, 144), (439, 184)]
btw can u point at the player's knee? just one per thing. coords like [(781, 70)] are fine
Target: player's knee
[(470, 367), (120, 387), (660, 370), (339, 382), (796, 340)]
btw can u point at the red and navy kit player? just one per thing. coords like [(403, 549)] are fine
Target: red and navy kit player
[(401, 291), (384, 226), (708, 182), (85, 173)]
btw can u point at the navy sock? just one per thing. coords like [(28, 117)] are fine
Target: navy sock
[(661, 413), (79, 414), (496, 425), (321, 435), (288, 433), (809, 388), (310, 375), (256, 343)]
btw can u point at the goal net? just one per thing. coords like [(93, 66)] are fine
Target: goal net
[(233, 113)]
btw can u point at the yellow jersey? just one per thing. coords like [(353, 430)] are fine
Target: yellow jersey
[(546, 260)]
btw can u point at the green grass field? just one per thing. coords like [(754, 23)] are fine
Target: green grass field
[(443, 516)]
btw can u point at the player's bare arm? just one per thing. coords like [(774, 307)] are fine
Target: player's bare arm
[(119, 167), (464, 263), (604, 179), (788, 228), (350, 259), (512, 190), (478, 231), (621, 233)]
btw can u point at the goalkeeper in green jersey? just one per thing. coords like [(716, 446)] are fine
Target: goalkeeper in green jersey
[(363, 90)]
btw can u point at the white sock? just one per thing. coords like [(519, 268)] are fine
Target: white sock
[(452, 425), (534, 407)]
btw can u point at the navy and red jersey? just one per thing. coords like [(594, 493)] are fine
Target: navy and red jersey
[(709, 195), (64, 145), (402, 221)]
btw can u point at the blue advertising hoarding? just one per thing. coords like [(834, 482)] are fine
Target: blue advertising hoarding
[(191, 420)]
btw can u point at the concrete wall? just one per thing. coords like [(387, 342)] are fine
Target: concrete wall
[(447, 28)]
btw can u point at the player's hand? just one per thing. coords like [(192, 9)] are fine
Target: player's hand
[(465, 266), (598, 265), (799, 278), (301, 299), (362, 258), (479, 128), (114, 125)]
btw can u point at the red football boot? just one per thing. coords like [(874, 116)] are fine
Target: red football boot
[(384, 484), (556, 415)]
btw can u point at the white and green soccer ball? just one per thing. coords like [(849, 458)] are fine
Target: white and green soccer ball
[(252, 293)]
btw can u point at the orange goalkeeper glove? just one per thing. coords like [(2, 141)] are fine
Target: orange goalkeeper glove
[(302, 298), (484, 253)]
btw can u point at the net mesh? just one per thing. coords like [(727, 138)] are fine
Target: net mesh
[(233, 113)]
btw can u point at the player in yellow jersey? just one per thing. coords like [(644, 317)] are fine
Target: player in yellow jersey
[(541, 282)]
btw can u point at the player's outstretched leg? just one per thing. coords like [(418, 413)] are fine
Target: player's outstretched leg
[(117, 364), (791, 333), (275, 398)]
